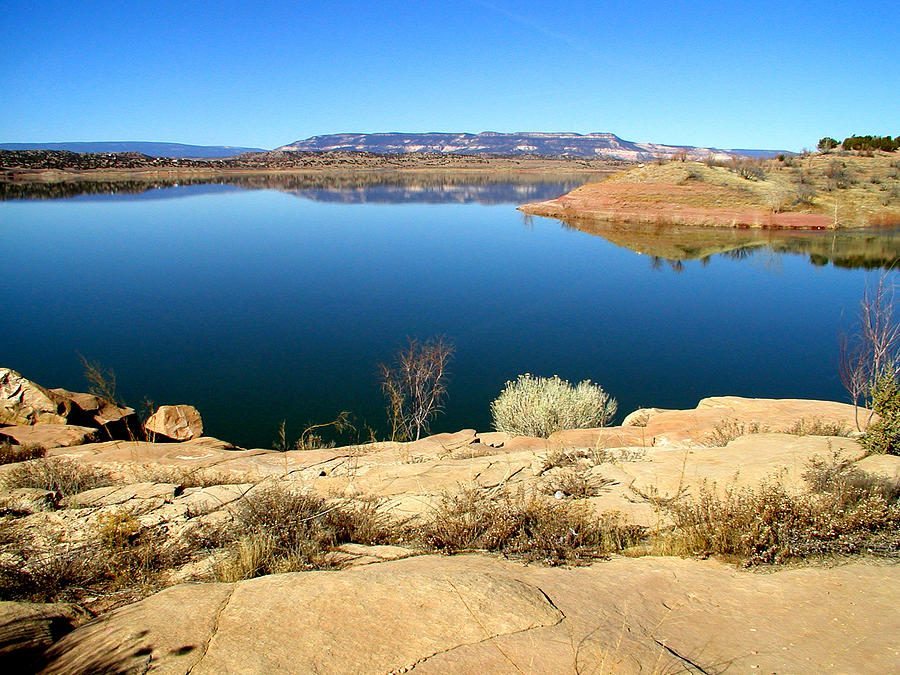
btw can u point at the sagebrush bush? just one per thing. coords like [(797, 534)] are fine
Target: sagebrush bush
[(538, 406)]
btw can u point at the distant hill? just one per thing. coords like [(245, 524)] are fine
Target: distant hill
[(144, 147), (598, 145)]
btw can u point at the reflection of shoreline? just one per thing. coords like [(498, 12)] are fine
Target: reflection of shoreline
[(851, 249), (349, 187)]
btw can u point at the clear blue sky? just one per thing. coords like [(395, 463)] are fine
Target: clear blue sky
[(750, 75)]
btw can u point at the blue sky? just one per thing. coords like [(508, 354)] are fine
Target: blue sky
[(750, 75)]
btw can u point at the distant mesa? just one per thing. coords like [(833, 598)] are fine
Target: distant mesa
[(596, 145), (148, 148), (602, 146)]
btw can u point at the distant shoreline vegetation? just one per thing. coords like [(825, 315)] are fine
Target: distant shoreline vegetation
[(861, 143)]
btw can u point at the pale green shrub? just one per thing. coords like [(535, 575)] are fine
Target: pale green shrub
[(538, 406)]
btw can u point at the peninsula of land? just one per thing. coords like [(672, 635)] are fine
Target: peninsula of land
[(813, 191)]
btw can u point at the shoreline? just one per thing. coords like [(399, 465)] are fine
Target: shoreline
[(815, 192), (121, 168)]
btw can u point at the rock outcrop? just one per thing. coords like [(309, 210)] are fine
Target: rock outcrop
[(730, 441), (89, 409), (178, 422), (24, 402), (52, 418), (48, 435), (393, 609)]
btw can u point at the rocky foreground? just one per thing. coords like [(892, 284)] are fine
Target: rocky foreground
[(397, 606)]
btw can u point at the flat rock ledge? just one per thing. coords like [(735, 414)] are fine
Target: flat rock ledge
[(473, 613), (660, 451), (392, 610)]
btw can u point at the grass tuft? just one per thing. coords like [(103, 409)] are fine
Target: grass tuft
[(276, 530), (201, 477), (816, 426), (727, 430), (65, 477)]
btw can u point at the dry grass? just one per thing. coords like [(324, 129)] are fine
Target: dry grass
[(119, 561), (563, 457), (10, 454), (185, 477), (841, 512), (64, 477), (559, 458), (727, 430), (275, 530), (816, 426), (524, 527), (575, 482), (730, 428)]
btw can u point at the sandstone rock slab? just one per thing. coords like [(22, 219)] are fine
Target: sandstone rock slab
[(886, 467), (482, 614), (119, 494), (48, 436)]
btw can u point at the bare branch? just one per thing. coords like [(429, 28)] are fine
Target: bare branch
[(416, 386), (873, 351)]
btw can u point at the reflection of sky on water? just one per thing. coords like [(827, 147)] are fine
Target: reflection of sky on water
[(256, 306)]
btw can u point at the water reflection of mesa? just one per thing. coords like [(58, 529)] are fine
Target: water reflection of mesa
[(849, 249), (345, 187)]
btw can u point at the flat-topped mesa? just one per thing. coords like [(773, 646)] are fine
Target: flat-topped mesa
[(565, 144)]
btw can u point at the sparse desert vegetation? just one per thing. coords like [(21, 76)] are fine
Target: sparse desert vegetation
[(840, 511), (827, 190)]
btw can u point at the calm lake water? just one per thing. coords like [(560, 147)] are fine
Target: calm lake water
[(259, 304)]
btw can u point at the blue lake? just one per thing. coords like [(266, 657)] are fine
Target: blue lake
[(258, 305)]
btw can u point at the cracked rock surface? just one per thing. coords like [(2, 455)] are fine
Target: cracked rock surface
[(474, 613)]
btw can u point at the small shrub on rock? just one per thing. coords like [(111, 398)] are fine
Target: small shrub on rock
[(539, 406), (729, 429), (883, 435), (815, 426), (574, 482)]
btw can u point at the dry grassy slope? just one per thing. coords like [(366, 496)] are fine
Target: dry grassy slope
[(810, 191)]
